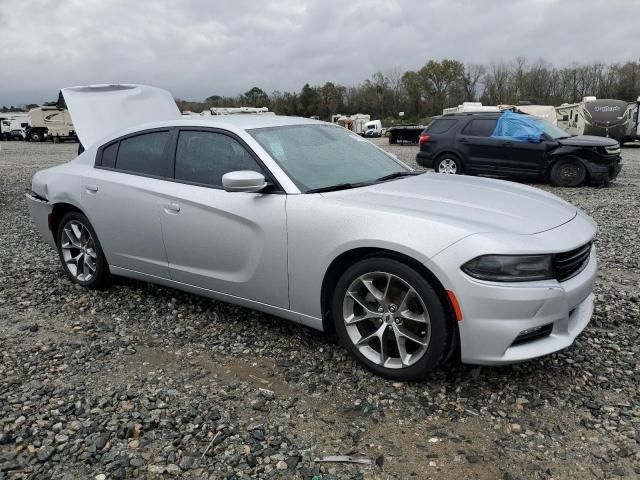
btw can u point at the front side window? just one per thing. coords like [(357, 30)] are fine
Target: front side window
[(322, 156), (480, 127), (204, 157), (143, 154)]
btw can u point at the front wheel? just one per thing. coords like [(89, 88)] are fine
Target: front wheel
[(390, 319), (80, 252), (568, 172), (448, 164)]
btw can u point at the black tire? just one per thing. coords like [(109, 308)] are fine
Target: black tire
[(100, 276), (445, 159), (35, 137), (568, 172), (440, 328)]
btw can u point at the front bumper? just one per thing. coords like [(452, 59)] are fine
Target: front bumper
[(40, 209), (496, 315), (604, 172)]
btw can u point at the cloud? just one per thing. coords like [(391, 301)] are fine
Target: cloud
[(197, 48)]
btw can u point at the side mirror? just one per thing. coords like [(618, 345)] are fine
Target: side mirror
[(243, 181)]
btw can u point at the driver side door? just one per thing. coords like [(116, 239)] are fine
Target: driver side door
[(228, 242)]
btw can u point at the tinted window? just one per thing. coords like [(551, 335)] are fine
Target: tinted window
[(109, 155), (204, 157), (480, 127), (441, 126), (143, 154)]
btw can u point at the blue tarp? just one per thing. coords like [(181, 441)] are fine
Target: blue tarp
[(518, 127)]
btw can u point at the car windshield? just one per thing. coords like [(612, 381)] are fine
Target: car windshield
[(551, 130), (325, 156)]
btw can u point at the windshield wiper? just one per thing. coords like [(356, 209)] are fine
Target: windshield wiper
[(333, 188), (345, 186), (393, 175)]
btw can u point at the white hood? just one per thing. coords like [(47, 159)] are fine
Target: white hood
[(100, 110)]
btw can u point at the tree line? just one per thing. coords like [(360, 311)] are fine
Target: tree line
[(444, 83)]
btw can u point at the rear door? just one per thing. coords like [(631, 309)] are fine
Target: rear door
[(484, 154), (231, 243), (122, 199)]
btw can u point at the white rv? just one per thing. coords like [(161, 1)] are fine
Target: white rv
[(633, 127), (356, 123), (471, 107), (604, 118), (544, 112), (234, 110), (50, 122), (12, 125)]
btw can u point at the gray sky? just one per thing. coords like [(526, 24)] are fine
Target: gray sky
[(197, 48)]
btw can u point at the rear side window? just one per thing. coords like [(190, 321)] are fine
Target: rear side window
[(441, 126), (480, 127), (204, 157), (143, 154), (109, 155)]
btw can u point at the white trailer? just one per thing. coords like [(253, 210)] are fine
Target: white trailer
[(471, 107), (50, 123), (355, 123)]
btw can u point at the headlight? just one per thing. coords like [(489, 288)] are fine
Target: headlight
[(510, 268)]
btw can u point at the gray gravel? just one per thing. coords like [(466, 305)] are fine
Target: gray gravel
[(144, 381)]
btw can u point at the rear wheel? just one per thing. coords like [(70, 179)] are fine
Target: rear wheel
[(568, 172), (35, 137), (390, 319), (80, 251), (448, 164)]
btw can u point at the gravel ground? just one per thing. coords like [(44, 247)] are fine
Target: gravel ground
[(144, 381)]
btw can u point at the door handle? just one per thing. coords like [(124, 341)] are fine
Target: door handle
[(91, 188), (463, 140), (172, 208)]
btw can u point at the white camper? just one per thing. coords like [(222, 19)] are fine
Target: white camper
[(544, 112), (12, 125), (50, 122), (235, 110), (470, 107), (633, 127), (605, 118), (356, 123)]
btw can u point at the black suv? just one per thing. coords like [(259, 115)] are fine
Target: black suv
[(462, 143)]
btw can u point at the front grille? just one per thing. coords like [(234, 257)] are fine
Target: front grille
[(569, 264)]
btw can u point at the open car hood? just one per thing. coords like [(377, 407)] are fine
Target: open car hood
[(100, 110)]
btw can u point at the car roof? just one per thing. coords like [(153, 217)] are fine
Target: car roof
[(240, 121), (233, 122)]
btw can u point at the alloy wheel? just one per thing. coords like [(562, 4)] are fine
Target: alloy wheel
[(79, 251), (448, 166), (386, 320)]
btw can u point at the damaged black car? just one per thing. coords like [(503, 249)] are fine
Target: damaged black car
[(517, 146)]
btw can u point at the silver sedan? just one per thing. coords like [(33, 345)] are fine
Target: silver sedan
[(308, 221)]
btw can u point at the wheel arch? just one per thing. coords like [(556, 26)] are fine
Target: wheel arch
[(343, 261), (60, 210), (566, 155)]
